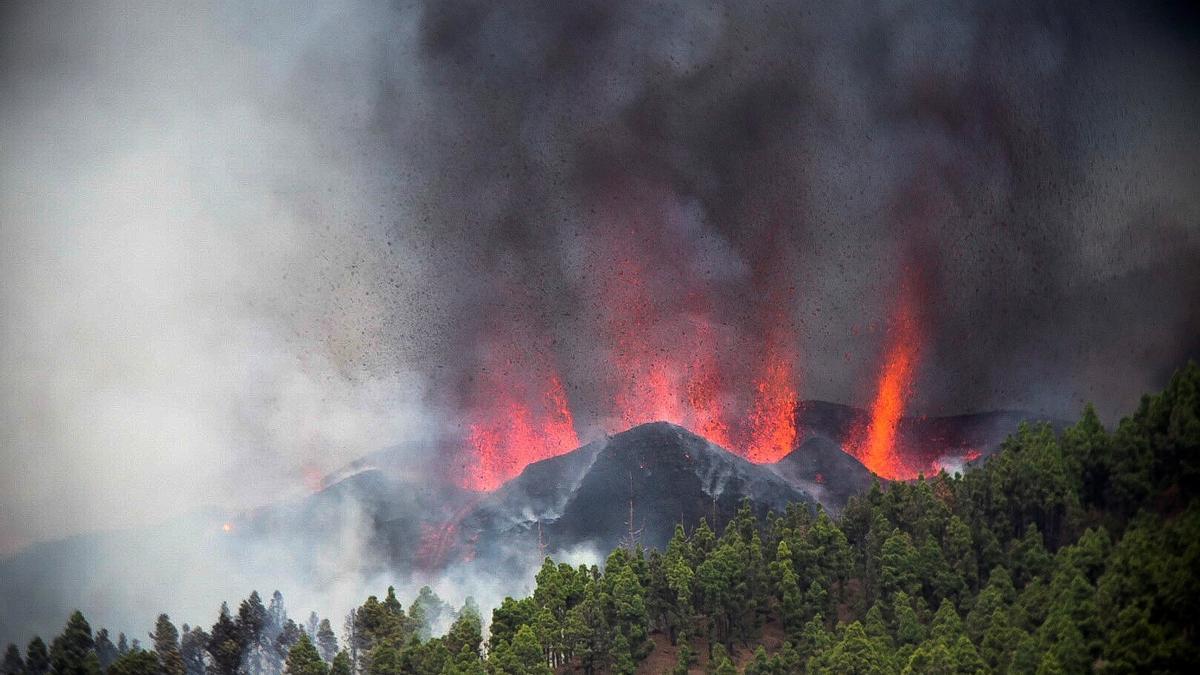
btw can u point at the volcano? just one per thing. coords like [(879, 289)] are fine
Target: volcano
[(636, 485), (633, 487)]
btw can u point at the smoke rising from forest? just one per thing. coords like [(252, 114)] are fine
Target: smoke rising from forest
[(243, 248)]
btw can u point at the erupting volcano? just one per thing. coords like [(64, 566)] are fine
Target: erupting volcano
[(666, 359), (664, 354), (665, 351)]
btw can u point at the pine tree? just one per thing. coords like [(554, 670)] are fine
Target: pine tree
[(1027, 655), (720, 663), (998, 594), (756, 580), (898, 566), (1029, 556), (357, 642), (37, 657), (909, 630), (1088, 447), (702, 543), (681, 583), (13, 663), (816, 599), (932, 657), (508, 618), (303, 658), (523, 656), (1032, 604), (1089, 554), (814, 639), (106, 651), (383, 660), (947, 626), (759, 664), (166, 644), (791, 602), (684, 659), (326, 640), (426, 612), (620, 656), (466, 633), (276, 618), (999, 640), (856, 652), (341, 664), (1135, 645), (629, 615), (225, 644), (787, 659), (1050, 665), (72, 652), (135, 662), (959, 549), (288, 637), (192, 645), (967, 657), (252, 623)]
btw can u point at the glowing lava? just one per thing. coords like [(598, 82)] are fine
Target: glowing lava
[(518, 411), (662, 355), (773, 418), (521, 434), (876, 445), (703, 391), (673, 371), (647, 373)]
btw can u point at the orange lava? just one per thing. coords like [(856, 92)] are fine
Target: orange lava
[(519, 434), (664, 358), (703, 397), (674, 373), (773, 418), (876, 445), (647, 374)]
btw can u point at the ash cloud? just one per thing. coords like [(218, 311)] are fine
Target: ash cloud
[(1034, 167), (243, 247)]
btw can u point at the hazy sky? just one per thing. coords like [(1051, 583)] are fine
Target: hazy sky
[(240, 247)]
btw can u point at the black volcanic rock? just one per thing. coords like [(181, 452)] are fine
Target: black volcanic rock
[(821, 468), (583, 498)]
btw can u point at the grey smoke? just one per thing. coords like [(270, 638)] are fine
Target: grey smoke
[(240, 247)]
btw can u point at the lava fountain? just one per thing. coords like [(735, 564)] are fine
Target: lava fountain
[(875, 444), (519, 412)]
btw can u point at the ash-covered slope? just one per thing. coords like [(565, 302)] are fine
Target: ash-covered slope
[(821, 468), (583, 498)]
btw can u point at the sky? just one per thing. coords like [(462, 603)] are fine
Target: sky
[(242, 247)]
